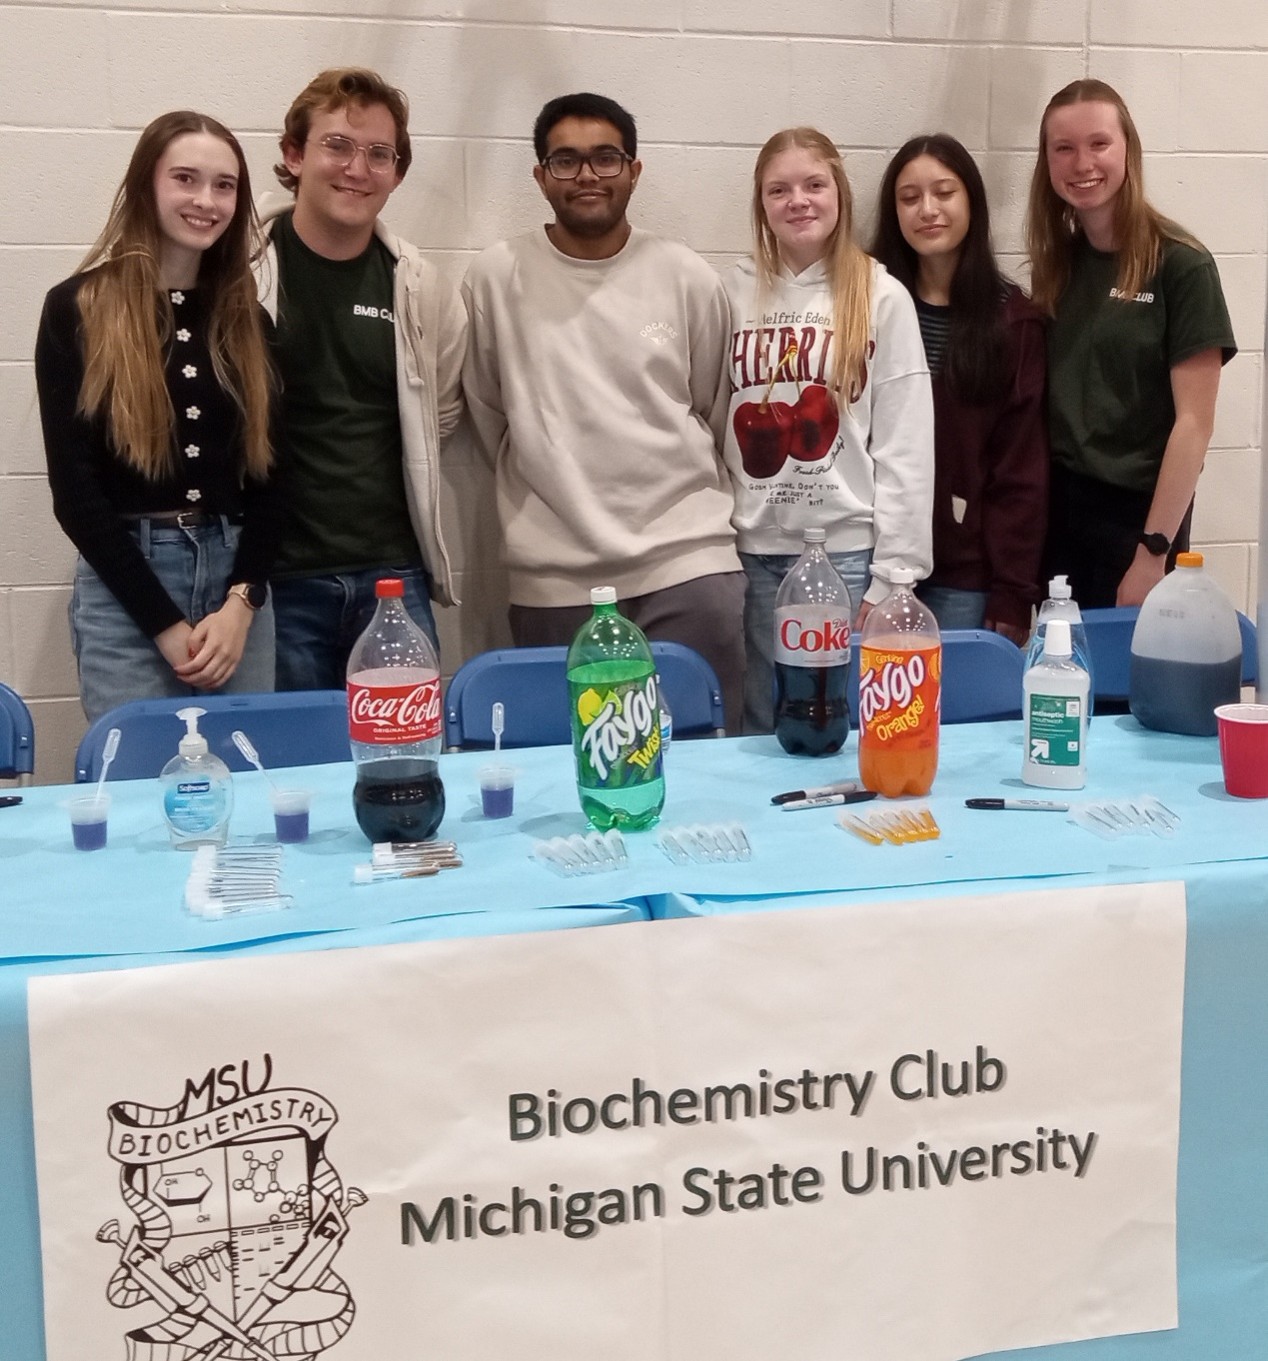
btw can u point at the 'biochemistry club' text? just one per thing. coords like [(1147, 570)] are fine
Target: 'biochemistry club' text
[(918, 1164)]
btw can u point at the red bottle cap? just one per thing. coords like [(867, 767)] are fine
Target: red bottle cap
[(387, 588)]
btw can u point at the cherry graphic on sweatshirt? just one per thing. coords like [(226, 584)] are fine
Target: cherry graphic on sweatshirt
[(764, 430), (816, 419)]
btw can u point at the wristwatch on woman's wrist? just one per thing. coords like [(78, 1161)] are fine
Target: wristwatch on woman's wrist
[(250, 593), (1158, 544)]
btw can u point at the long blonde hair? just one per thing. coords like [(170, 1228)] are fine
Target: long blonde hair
[(849, 270), (1052, 225), (127, 316)]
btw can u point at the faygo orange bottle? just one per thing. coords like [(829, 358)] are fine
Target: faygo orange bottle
[(900, 694)]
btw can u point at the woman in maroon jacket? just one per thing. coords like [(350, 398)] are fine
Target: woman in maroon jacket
[(985, 346)]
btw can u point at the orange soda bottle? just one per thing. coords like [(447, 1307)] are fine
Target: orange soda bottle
[(900, 694)]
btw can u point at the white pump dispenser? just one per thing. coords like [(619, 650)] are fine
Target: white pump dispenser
[(197, 790)]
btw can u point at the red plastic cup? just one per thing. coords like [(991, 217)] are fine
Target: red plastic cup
[(1244, 749)]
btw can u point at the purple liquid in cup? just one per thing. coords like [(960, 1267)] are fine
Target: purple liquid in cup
[(291, 827), (498, 802), (88, 836)]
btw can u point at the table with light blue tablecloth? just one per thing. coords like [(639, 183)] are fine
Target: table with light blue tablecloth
[(121, 907)]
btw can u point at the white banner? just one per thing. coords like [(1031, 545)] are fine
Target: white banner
[(897, 1132)]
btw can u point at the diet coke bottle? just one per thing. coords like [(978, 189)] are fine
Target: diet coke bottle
[(812, 654), (394, 724)]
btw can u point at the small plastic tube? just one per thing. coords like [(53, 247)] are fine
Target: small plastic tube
[(374, 874)]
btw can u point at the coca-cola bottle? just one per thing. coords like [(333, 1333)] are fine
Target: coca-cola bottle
[(812, 654), (394, 723)]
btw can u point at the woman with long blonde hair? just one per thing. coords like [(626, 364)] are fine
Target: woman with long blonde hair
[(1138, 335), (831, 416), (155, 391)]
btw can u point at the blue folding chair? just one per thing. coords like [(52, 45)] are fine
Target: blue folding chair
[(17, 737), (532, 685), (1109, 643), (289, 728), (1109, 640), (981, 676)]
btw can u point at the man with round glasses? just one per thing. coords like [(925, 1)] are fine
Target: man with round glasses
[(370, 341), (596, 383)]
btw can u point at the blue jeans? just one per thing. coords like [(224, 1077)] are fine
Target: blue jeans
[(766, 571), (954, 608), (117, 662), (320, 617)]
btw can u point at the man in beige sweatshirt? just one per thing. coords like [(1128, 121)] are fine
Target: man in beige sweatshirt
[(597, 383)]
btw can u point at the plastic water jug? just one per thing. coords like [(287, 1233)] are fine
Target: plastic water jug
[(1186, 652)]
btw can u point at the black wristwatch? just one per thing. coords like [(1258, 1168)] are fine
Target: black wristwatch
[(1158, 544), (251, 593)]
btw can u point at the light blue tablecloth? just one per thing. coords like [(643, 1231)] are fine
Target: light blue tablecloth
[(118, 908)]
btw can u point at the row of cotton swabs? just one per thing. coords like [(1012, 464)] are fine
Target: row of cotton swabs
[(898, 828)]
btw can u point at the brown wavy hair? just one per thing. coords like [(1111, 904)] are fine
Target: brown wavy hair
[(849, 270), (331, 90), (127, 316), (1052, 225)]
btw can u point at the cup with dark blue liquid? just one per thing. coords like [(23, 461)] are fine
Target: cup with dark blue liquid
[(497, 791), (290, 814), (88, 818)]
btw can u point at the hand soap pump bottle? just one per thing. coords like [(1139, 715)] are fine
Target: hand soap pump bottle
[(197, 790)]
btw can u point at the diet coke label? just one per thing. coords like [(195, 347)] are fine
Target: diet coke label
[(384, 712), (812, 635)]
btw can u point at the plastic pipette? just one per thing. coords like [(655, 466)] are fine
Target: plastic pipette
[(107, 755), (247, 748), (499, 727)]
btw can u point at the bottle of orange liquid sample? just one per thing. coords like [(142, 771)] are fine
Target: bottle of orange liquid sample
[(900, 694)]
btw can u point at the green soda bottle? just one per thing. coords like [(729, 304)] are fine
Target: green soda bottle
[(614, 700)]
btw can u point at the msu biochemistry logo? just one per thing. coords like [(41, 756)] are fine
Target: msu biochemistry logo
[(237, 1217)]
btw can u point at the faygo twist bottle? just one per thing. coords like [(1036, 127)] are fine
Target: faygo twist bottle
[(613, 694)]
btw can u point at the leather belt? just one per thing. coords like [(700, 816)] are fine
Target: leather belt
[(182, 519)]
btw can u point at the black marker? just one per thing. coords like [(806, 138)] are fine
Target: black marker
[(828, 800), (10, 800), (1019, 805), (793, 795)]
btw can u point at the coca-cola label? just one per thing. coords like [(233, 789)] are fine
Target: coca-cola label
[(812, 635), (616, 733), (393, 715), (900, 694)]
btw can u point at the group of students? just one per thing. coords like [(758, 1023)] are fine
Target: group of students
[(240, 441)]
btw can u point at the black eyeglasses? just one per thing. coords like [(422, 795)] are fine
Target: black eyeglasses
[(607, 162), (379, 157)]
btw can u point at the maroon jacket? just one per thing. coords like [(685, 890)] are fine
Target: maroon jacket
[(994, 460)]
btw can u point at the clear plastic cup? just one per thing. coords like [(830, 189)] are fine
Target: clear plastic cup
[(290, 814), (1243, 731), (88, 818), (497, 791)]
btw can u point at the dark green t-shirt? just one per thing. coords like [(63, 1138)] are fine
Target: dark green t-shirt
[(336, 350), (1110, 410)]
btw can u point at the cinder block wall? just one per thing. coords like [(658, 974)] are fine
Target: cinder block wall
[(708, 81)]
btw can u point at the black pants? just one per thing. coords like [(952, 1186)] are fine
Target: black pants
[(1093, 530)]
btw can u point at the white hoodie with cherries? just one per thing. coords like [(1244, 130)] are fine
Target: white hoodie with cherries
[(798, 457)]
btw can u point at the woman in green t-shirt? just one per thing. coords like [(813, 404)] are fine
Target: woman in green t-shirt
[(1138, 335)]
